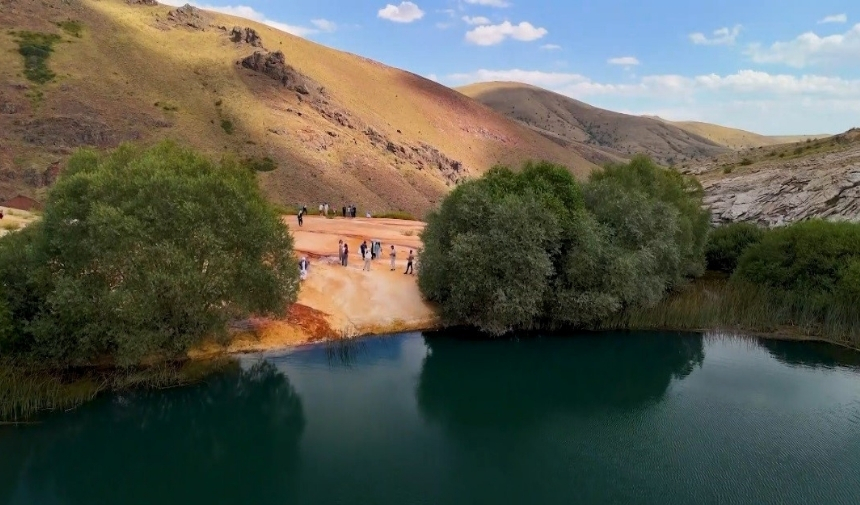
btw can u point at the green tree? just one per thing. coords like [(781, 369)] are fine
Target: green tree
[(528, 249), (149, 251)]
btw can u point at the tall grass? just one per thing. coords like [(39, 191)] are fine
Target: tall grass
[(26, 391), (716, 303)]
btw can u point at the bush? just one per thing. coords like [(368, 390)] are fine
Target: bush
[(727, 243), (227, 126), (746, 162), (535, 249), (72, 27), (815, 258), (143, 253), (264, 164)]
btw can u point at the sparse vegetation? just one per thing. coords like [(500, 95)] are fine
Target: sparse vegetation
[(798, 150), (728, 169), (71, 27), (263, 164), (397, 214), (36, 48), (10, 226), (746, 162), (227, 126)]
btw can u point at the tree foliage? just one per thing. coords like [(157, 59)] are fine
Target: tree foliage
[(144, 252), (534, 248), (727, 243)]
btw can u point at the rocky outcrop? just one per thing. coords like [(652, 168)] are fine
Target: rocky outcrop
[(246, 35), (274, 65), (189, 16), (61, 132), (826, 186), (421, 156)]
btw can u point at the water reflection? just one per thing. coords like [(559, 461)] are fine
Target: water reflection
[(811, 354), (517, 383), (231, 440)]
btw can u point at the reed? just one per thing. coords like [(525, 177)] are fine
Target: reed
[(718, 304)]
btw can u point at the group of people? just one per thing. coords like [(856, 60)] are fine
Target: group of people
[(324, 209), (368, 253)]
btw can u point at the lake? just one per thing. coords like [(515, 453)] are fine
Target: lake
[(609, 418)]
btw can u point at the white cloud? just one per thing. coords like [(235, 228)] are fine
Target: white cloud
[(324, 24), (433, 77), (623, 60), (489, 35), (550, 47), (835, 18), (757, 101), (406, 12), (243, 11), (477, 20), (810, 49), (721, 37), (489, 3)]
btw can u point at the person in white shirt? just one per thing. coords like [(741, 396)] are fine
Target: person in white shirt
[(393, 255), (303, 268)]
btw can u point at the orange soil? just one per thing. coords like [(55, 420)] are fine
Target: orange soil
[(342, 302)]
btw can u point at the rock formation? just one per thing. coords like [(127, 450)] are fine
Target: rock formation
[(246, 35), (188, 15), (274, 65)]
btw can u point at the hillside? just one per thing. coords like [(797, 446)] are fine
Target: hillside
[(735, 138), (339, 127), (570, 121), (785, 183)]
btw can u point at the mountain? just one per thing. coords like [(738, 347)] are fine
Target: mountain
[(734, 138), (338, 127), (570, 121)]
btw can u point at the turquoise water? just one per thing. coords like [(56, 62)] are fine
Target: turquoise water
[(428, 419)]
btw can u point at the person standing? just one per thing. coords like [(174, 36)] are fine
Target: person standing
[(409, 260), (303, 268), (393, 256), (345, 259), (326, 209), (300, 217), (363, 248), (343, 211), (366, 255), (340, 251)]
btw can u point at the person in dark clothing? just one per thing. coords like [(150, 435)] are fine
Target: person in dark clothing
[(301, 219), (343, 211), (363, 248), (345, 258), (409, 260)]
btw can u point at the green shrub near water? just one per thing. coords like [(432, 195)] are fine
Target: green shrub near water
[(728, 242), (142, 253), (535, 249)]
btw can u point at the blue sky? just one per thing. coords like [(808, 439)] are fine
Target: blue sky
[(774, 67)]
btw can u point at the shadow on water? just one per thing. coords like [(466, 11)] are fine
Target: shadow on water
[(811, 354), (513, 383), (233, 439)]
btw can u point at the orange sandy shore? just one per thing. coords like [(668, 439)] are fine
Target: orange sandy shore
[(342, 302)]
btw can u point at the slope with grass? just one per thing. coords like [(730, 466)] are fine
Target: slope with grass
[(612, 134), (735, 138), (330, 126), (786, 183)]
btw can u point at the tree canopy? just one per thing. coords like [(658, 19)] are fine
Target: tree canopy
[(535, 249), (142, 252)]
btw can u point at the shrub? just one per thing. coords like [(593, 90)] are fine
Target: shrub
[(36, 48), (143, 253), (227, 126), (727, 170), (746, 162), (726, 244), (814, 258), (798, 150), (535, 249)]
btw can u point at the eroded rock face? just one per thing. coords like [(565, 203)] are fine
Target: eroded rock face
[(246, 35), (826, 187)]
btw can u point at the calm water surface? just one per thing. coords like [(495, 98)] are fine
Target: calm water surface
[(658, 419)]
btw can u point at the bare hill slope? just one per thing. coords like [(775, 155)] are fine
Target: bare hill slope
[(735, 138), (572, 121), (341, 128)]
